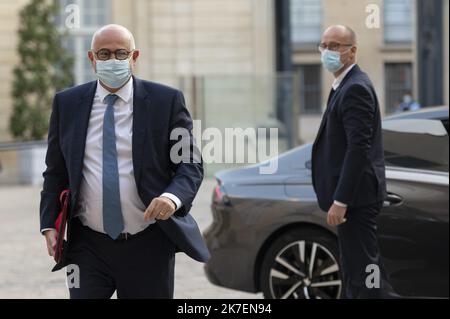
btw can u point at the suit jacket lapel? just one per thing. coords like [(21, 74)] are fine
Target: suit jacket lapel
[(325, 115), (141, 111), (83, 113), (331, 100)]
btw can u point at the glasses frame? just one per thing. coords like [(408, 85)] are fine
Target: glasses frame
[(339, 45), (112, 53)]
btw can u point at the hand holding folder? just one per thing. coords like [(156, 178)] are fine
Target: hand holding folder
[(61, 223)]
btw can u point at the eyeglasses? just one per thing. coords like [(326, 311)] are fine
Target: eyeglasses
[(333, 46), (105, 54)]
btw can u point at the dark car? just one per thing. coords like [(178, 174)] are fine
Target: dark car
[(268, 233)]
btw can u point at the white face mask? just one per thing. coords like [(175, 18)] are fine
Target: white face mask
[(113, 73)]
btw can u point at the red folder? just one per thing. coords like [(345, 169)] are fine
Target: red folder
[(60, 224)]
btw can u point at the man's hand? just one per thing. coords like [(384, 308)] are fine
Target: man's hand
[(160, 208), (51, 237), (336, 215)]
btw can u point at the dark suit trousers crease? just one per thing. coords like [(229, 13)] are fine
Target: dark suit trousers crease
[(358, 247), (142, 267)]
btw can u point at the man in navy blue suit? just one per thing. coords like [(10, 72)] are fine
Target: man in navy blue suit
[(348, 170), (110, 143)]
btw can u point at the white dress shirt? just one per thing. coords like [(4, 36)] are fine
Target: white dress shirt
[(91, 188), (336, 83)]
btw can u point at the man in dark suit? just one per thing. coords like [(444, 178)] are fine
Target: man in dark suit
[(110, 143), (348, 168)]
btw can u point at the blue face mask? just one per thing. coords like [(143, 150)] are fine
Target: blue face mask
[(331, 60), (113, 73)]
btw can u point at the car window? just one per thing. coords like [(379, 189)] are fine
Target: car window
[(417, 144)]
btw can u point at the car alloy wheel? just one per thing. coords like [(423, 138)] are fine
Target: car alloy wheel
[(305, 270)]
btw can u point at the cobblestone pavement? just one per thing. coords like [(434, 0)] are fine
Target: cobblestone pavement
[(25, 265)]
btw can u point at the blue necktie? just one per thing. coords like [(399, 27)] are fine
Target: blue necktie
[(112, 211)]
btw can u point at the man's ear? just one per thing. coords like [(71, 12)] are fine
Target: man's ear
[(354, 49), (91, 55), (91, 58), (136, 54)]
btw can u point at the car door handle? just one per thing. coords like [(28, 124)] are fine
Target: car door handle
[(392, 200)]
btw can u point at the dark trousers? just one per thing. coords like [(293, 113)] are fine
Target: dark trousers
[(140, 267), (358, 247)]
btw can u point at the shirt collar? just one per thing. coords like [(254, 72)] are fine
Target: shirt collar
[(337, 81), (124, 93)]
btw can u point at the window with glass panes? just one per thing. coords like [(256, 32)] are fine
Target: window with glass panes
[(310, 82), (398, 21), (398, 82), (306, 21), (93, 14)]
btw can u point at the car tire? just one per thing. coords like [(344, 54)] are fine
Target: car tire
[(286, 270)]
